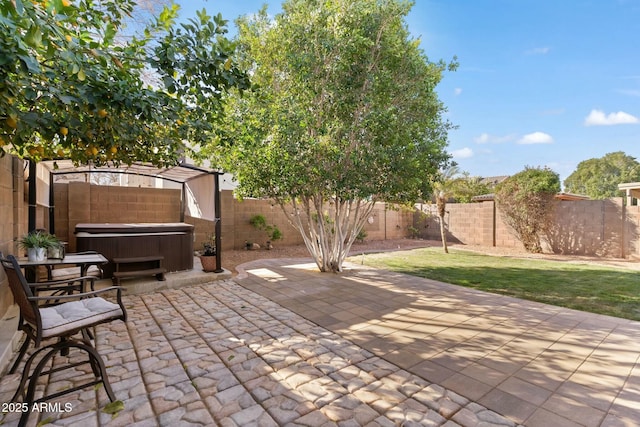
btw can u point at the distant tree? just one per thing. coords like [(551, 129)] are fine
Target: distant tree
[(599, 178), (345, 114), (468, 186), (527, 202)]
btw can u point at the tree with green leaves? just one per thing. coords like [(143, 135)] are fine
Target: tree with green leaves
[(70, 88), (467, 187), (344, 114), (598, 178), (527, 201)]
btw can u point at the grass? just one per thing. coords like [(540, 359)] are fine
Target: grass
[(592, 288)]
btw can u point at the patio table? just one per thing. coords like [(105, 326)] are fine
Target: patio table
[(84, 261)]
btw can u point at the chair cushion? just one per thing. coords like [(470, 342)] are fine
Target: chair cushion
[(75, 315)]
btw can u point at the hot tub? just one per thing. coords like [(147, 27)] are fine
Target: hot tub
[(173, 241)]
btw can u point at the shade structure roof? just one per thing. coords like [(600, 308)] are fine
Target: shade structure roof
[(181, 173)]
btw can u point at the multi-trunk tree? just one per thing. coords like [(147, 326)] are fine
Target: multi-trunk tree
[(344, 114)]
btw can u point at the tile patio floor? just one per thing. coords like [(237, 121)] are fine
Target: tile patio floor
[(282, 344)]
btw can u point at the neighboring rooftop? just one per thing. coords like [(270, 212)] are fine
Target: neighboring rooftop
[(492, 181), (559, 196), (631, 188)]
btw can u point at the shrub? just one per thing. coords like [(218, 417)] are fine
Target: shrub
[(260, 222), (527, 202)]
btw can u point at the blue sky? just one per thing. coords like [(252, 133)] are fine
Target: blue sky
[(540, 83)]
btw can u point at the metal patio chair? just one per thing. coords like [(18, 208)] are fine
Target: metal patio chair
[(73, 314)]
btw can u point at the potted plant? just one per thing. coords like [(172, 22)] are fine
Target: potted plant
[(56, 250), (208, 254), (36, 243)]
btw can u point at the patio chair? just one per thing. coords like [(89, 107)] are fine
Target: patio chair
[(74, 313)]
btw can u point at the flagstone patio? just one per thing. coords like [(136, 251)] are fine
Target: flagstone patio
[(282, 344)]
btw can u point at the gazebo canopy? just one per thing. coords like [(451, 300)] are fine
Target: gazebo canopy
[(181, 173), (184, 174)]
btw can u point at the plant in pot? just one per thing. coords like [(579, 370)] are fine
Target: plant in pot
[(56, 250), (36, 243), (208, 254)]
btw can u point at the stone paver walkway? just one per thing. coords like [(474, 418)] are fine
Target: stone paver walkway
[(220, 354), (536, 364)]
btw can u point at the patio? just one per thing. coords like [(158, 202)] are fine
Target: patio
[(282, 344)]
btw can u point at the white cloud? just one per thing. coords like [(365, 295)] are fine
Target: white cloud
[(538, 51), (486, 138), (536, 138), (482, 139), (457, 91), (463, 153), (598, 118)]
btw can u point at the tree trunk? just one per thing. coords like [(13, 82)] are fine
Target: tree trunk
[(441, 204), (328, 234)]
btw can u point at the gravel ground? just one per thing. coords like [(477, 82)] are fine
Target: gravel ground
[(233, 258)]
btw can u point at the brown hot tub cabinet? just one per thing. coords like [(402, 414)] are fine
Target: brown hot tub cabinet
[(172, 241)]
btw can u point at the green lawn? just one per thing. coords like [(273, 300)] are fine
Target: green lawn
[(597, 289)]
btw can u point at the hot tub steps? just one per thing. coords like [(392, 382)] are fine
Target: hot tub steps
[(137, 267)]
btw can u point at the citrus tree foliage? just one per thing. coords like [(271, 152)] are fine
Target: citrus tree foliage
[(526, 201), (344, 114), (72, 88), (599, 178)]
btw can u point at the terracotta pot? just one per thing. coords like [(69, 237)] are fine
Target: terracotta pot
[(208, 263)]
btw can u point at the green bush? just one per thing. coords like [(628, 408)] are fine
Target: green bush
[(260, 223), (527, 201)]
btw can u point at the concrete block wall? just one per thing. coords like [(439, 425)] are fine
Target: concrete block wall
[(469, 223), (505, 237), (388, 222), (237, 228), (589, 227), (583, 227), (243, 231), (79, 211), (8, 226), (593, 227), (632, 232), (134, 204), (12, 213), (80, 202)]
